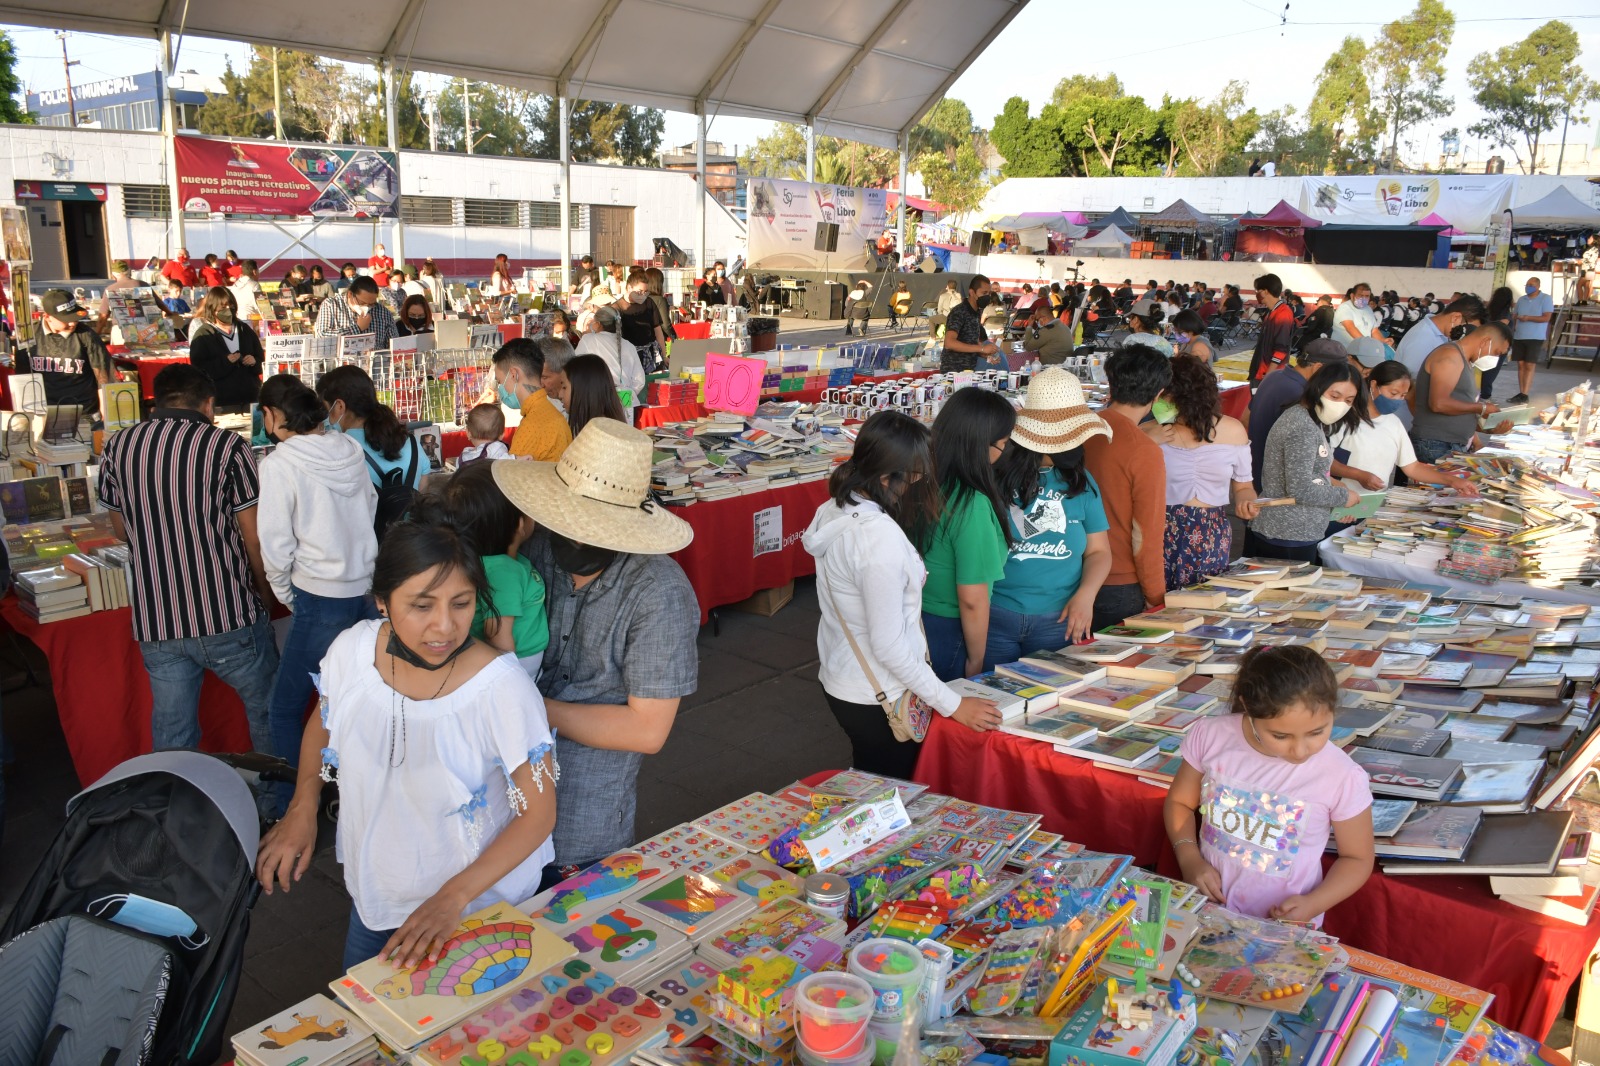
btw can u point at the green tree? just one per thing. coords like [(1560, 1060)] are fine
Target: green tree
[(779, 154), (1341, 112), (1297, 147), (11, 102), (500, 119), (1032, 147), (598, 132), (944, 129), (322, 101), (413, 127), (1526, 88), (1210, 134), (958, 183), (1407, 70), (1076, 86)]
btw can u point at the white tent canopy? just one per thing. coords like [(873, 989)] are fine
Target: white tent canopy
[(1556, 210), (1110, 242), (866, 70)]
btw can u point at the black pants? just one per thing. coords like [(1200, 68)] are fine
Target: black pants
[(1257, 548), (1116, 603), (873, 747)]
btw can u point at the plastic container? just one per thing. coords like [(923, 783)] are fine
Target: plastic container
[(894, 970), (885, 1038), (827, 894), (831, 1012), (864, 1057)]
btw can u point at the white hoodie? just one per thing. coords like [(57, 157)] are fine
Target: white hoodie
[(869, 573), (317, 507)]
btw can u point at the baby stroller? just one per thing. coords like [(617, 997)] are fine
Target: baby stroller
[(127, 944)]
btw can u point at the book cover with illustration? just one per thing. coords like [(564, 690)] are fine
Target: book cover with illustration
[(1432, 832), (694, 904), (590, 892), (314, 1032), (624, 941)]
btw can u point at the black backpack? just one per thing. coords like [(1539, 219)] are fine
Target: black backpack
[(395, 491)]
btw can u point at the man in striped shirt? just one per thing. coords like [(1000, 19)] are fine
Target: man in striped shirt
[(183, 494)]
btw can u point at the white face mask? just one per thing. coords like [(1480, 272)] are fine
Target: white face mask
[(1485, 363), (1330, 412)]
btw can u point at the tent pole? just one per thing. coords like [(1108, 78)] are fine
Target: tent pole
[(702, 255), (563, 117), (169, 128), (811, 152), (391, 114), (900, 224)]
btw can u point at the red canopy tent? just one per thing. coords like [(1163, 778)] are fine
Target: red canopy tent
[(1275, 237)]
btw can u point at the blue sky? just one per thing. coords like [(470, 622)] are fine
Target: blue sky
[(1182, 49)]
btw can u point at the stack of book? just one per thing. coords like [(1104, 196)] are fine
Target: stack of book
[(313, 1032), (51, 594)]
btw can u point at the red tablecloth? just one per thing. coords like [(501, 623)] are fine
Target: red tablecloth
[(721, 562), (1451, 926), (688, 412), (148, 367), (1235, 400), (692, 331), (102, 691)]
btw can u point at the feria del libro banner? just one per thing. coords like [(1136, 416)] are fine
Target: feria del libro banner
[(1468, 202), (252, 178), (783, 217)]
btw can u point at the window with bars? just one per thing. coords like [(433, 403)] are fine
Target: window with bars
[(427, 210), (146, 201), (489, 212), (543, 215)]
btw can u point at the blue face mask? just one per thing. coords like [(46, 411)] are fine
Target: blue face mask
[(1388, 405), (508, 397), (1530, 289), (330, 426)]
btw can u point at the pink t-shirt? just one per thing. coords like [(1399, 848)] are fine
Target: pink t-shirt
[(1266, 821)]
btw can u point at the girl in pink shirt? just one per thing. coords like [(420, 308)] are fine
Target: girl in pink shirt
[(1270, 789)]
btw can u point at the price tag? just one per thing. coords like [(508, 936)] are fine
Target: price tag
[(733, 383)]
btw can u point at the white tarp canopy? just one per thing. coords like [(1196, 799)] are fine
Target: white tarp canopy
[(1109, 242), (1556, 210), (866, 70)]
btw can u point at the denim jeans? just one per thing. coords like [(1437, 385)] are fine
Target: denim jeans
[(1431, 451), (947, 646), (361, 943), (1013, 635), (1114, 603), (244, 658), (316, 622)]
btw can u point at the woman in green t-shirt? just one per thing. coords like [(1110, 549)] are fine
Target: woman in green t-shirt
[(1060, 554), (966, 552)]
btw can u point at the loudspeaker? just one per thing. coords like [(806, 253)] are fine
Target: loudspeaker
[(827, 237), (978, 243)]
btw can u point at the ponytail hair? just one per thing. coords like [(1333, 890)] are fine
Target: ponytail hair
[(385, 435), (302, 409)]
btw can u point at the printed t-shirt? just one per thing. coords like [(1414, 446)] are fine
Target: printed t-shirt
[(518, 594), (1266, 821), (967, 548), (1045, 566)]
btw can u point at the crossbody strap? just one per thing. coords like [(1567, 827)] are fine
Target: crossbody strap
[(861, 660)]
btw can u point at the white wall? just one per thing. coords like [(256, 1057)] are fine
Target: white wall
[(664, 202)]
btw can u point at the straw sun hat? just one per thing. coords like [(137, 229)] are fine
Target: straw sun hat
[(598, 493), (1054, 417)]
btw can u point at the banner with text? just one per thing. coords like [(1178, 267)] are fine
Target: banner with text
[(783, 218), (1466, 201), (249, 178)]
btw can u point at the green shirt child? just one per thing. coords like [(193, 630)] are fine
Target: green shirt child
[(518, 595)]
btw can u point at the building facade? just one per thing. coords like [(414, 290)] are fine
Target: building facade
[(133, 102)]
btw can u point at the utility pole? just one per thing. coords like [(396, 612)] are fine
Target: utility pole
[(67, 65), (466, 110), (277, 97), (431, 114)]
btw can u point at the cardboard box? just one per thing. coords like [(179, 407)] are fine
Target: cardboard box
[(767, 602)]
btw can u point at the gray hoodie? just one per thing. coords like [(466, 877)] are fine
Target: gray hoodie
[(315, 517), (869, 577)]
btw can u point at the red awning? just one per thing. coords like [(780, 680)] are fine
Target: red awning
[(917, 203)]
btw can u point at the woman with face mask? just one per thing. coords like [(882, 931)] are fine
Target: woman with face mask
[(1447, 407), (1208, 464), (1381, 444), (1189, 336), (226, 349), (415, 317), (1297, 466), (641, 319)]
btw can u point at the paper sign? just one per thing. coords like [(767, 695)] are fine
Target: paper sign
[(856, 830), (769, 530), (733, 383)]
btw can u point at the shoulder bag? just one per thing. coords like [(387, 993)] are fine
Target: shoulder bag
[(909, 715)]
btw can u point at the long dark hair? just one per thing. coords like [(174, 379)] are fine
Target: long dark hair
[(1500, 302), (591, 393), (384, 433), (892, 446), (302, 409), (1328, 376), (971, 421), (1194, 393), (425, 539), (1018, 472)]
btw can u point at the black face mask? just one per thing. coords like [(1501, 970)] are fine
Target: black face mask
[(1458, 332), (398, 649), (580, 560)]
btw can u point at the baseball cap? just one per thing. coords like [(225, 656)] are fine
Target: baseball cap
[(61, 304), (1323, 350), (1143, 308), (1368, 351)]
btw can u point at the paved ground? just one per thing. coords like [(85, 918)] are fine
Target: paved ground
[(757, 722)]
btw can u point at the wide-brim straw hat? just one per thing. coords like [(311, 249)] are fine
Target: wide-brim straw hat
[(598, 493), (1054, 417)]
